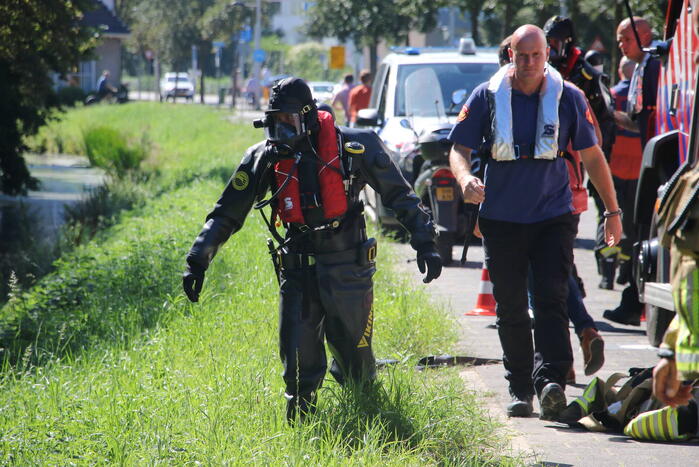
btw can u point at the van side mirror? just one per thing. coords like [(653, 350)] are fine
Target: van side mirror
[(458, 96), (367, 117)]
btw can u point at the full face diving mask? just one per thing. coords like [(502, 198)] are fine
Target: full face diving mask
[(282, 127)]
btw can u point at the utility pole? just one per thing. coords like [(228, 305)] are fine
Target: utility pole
[(256, 64)]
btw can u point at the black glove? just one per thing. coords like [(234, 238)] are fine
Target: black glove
[(428, 259), (192, 281)]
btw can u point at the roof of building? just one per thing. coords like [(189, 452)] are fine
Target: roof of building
[(104, 20)]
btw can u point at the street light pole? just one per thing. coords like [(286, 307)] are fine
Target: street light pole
[(256, 65), (564, 8)]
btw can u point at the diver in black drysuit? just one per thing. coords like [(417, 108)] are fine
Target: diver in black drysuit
[(325, 266)]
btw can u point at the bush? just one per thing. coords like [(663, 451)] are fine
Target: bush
[(102, 208), (109, 149), (70, 95)]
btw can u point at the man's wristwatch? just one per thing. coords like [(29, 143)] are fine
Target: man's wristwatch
[(607, 214), (666, 353)]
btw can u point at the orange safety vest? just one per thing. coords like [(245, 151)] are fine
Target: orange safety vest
[(332, 188)]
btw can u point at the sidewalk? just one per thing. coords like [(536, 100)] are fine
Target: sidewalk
[(543, 442)]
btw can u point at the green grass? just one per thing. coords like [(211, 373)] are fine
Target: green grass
[(106, 362)]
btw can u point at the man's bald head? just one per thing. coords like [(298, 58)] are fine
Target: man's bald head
[(642, 26), (627, 40), (528, 54), (528, 33)]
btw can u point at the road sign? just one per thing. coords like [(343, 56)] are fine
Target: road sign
[(259, 55), (337, 57), (246, 34)]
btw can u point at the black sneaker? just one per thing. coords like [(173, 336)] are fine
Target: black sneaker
[(618, 315), (552, 401), (520, 407)]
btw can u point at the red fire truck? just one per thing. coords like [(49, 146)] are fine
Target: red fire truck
[(675, 144)]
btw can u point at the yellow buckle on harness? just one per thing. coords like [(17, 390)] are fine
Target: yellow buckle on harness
[(354, 147), (371, 254), (306, 108)]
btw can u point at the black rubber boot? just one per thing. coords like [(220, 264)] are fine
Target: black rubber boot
[(629, 310), (608, 267), (624, 276), (299, 407)]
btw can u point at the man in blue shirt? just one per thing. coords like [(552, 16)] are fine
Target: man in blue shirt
[(526, 209), (104, 89), (639, 117)]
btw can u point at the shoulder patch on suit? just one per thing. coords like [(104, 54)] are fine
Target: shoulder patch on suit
[(241, 180), (463, 115), (354, 148)]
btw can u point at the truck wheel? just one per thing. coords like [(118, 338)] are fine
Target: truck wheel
[(445, 244), (658, 319)]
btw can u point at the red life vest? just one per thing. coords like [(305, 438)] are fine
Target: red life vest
[(332, 188)]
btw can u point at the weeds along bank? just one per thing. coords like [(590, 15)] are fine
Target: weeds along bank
[(106, 362), (146, 148)]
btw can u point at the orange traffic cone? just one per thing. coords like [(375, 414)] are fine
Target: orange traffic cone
[(485, 303)]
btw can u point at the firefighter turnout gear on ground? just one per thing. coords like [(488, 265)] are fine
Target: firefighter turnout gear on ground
[(324, 260)]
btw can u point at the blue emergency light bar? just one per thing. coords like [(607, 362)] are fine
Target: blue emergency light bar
[(466, 47)]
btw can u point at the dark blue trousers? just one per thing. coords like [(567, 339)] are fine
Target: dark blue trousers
[(547, 248)]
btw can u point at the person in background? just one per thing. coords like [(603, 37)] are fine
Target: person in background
[(625, 164), (266, 83), (341, 98), (638, 117), (504, 51), (359, 96), (104, 87), (252, 91), (569, 60)]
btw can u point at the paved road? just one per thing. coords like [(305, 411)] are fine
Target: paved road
[(547, 443)]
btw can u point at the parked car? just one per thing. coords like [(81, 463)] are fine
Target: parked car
[(322, 91), (417, 92), (176, 84)]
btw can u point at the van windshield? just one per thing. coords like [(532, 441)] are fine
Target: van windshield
[(425, 89)]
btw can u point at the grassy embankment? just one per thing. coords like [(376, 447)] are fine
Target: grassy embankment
[(106, 361)]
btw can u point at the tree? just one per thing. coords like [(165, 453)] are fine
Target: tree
[(368, 22), (37, 37), (473, 8)]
